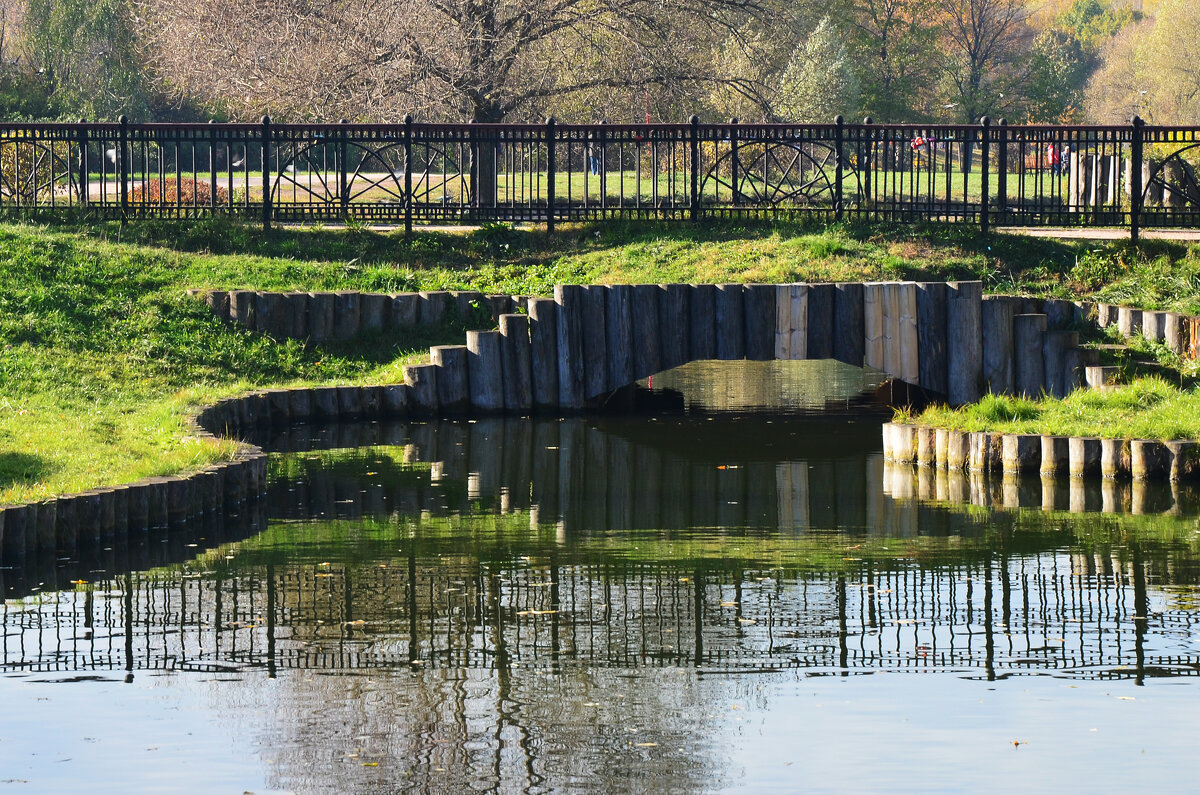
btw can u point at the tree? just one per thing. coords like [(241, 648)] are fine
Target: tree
[(819, 81), (484, 60), (88, 53), (892, 42), (1151, 69), (983, 43)]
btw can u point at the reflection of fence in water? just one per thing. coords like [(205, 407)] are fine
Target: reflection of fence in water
[(1003, 615)]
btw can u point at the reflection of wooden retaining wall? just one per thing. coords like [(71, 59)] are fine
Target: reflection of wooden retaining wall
[(926, 485)]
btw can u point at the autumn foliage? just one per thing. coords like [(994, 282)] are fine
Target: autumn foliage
[(186, 191)]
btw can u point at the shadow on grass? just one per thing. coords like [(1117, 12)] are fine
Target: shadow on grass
[(943, 247), (22, 468)]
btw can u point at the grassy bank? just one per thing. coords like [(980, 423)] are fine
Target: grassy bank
[(101, 352)]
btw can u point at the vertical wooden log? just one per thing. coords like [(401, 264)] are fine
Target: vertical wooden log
[(1149, 460), (1030, 363), (242, 306), (1056, 455), (1175, 333), (931, 336), (820, 320), (1055, 345), (647, 355), (798, 310), (218, 302), (404, 310), (453, 390), (1083, 456), (435, 307), (569, 298), (268, 309), (421, 380), (997, 319), (1154, 326), (320, 316), (517, 364), (759, 302), (543, 352), (1115, 458), (595, 341), (395, 400), (1129, 321), (964, 355), (372, 312), (673, 318), (848, 334), (295, 309), (891, 329), (910, 369), (618, 309), (730, 316), (484, 371), (347, 314), (702, 317), (873, 302), (783, 321), (1020, 453)]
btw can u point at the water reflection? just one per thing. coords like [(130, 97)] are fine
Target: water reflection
[(572, 604), (779, 386)]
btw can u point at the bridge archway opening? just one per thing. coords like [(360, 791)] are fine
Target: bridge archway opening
[(806, 388)]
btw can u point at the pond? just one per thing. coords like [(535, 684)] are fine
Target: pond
[(689, 601)]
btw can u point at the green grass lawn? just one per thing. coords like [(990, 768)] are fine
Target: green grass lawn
[(101, 353)]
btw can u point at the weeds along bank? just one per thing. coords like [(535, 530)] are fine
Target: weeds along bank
[(104, 354)]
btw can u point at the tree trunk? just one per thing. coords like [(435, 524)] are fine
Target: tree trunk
[(484, 149)]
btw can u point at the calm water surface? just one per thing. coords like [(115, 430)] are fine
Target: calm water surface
[(686, 603)]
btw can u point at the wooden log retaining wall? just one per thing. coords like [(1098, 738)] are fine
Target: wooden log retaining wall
[(1021, 454), (590, 341)]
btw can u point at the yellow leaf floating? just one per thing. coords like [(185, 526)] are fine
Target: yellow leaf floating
[(646, 745)]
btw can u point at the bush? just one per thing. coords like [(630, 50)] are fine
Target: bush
[(186, 191)]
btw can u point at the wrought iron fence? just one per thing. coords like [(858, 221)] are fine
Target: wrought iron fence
[(1131, 176)]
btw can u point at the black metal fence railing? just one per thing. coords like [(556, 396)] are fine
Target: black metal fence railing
[(1131, 176)]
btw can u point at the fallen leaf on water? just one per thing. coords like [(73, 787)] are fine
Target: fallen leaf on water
[(645, 745), (370, 764)]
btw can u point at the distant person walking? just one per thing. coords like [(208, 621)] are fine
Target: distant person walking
[(593, 156), (1053, 159)]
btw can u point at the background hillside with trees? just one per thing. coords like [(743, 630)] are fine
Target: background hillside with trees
[(1038, 61)]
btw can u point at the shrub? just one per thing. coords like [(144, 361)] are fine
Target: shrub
[(186, 191)]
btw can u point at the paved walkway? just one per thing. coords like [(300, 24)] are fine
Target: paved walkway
[(1075, 233)]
